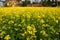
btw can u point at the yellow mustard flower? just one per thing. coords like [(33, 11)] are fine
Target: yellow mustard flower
[(56, 21), (7, 37), (42, 21), (2, 34), (11, 22), (41, 39), (15, 24), (29, 27), (19, 24), (28, 38), (43, 32)]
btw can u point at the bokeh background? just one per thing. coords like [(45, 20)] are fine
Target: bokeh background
[(29, 3)]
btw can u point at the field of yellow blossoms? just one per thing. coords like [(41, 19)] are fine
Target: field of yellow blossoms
[(36, 23)]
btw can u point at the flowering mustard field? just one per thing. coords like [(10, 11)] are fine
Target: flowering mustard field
[(36, 23)]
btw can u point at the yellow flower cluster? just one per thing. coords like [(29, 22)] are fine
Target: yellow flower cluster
[(26, 23), (44, 33), (7, 37), (31, 30)]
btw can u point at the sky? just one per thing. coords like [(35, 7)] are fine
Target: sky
[(34, 1)]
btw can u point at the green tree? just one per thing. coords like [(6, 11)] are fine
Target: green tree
[(24, 3), (43, 2)]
